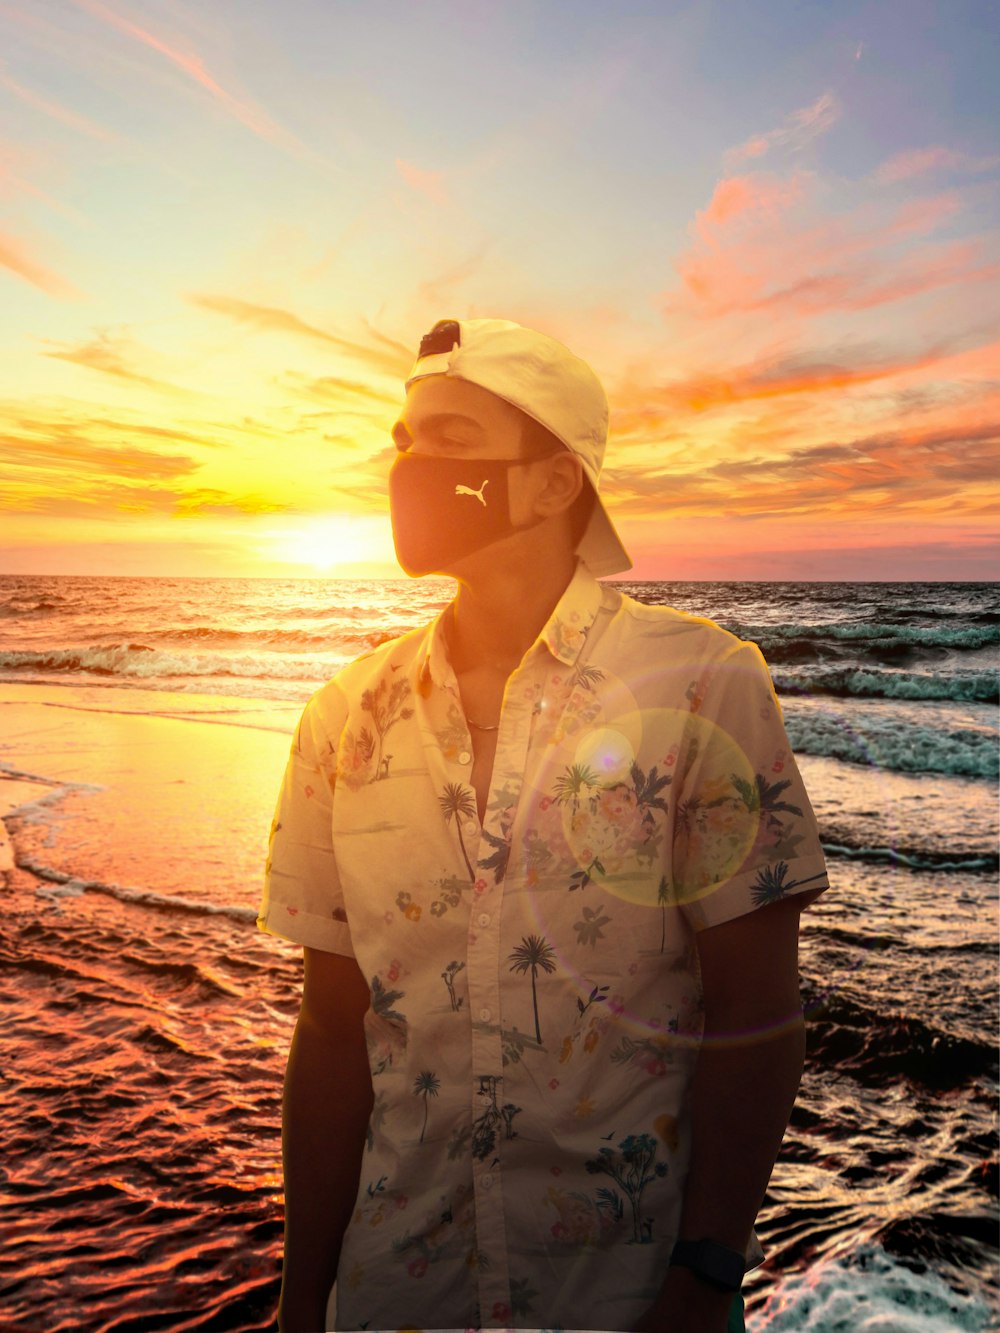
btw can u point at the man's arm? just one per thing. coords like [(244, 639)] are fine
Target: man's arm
[(743, 1091), (327, 1103)]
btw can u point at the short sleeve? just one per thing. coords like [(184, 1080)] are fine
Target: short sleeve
[(302, 899), (744, 832)]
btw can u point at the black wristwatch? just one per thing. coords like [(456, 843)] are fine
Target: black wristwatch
[(713, 1263)]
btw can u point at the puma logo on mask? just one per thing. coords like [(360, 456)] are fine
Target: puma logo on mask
[(467, 490)]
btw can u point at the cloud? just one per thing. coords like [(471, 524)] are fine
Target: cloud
[(759, 248), (73, 119), (775, 377), (193, 67), (15, 258), (948, 471), (65, 452), (207, 500), (104, 354), (67, 476), (330, 388), (920, 161), (388, 358), (428, 183), (798, 129)]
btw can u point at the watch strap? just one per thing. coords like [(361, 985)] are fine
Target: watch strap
[(713, 1263)]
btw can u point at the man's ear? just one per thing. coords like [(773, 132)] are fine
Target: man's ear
[(563, 484)]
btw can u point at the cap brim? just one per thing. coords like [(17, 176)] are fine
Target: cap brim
[(601, 548)]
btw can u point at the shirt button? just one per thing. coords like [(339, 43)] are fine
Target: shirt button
[(484, 918), (464, 757), (486, 1181), (486, 1015)]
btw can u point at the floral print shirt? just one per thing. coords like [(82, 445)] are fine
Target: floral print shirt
[(535, 999)]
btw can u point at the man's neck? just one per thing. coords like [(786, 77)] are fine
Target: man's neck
[(497, 618)]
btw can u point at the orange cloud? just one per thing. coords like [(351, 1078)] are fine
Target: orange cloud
[(773, 378), (390, 358), (87, 458), (104, 354), (15, 258), (331, 388), (949, 472)]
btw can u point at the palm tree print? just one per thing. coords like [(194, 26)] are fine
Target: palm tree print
[(457, 803), (758, 795), (587, 676), (572, 782), (386, 1033), (497, 862), (770, 884), (426, 1084), (386, 705), (629, 1166), (662, 897), (648, 787), (532, 953)]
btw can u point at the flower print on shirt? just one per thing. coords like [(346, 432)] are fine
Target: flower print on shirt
[(386, 704), (613, 742), (609, 827), (629, 1166)]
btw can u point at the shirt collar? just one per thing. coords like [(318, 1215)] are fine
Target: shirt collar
[(563, 634), (565, 631)]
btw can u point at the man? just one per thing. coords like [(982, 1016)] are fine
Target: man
[(546, 857)]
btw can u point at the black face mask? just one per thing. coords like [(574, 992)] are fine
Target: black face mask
[(446, 508)]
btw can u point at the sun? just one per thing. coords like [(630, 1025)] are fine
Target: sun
[(325, 541)]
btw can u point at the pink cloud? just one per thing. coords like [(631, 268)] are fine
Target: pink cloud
[(429, 183), (796, 130), (193, 66), (758, 246), (755, 197), (66, 117), (15, 257), (920, 161)]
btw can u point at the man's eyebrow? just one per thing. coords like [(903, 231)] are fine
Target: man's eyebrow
[(439, 421)]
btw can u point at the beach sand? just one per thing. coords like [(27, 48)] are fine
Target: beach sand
[(163, 793), (148, 1021)]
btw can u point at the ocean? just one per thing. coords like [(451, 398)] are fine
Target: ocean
[(144, 727)]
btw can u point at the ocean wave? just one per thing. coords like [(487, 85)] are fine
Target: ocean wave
[(878, 635), (140, 660), (884, 743), (846, 1033), (868, 683), (912, 859), (869, 1288), (59, 884)]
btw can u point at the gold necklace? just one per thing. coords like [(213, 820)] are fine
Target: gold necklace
[(478, 726)]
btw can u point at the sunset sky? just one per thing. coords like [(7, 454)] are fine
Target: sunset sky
[(773, 228)]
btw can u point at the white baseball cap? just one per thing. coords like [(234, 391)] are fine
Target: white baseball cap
[(548, 383)]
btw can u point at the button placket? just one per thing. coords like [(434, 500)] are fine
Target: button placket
[(484, 982)]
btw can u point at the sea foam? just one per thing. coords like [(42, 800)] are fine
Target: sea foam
[(870, 1292)]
